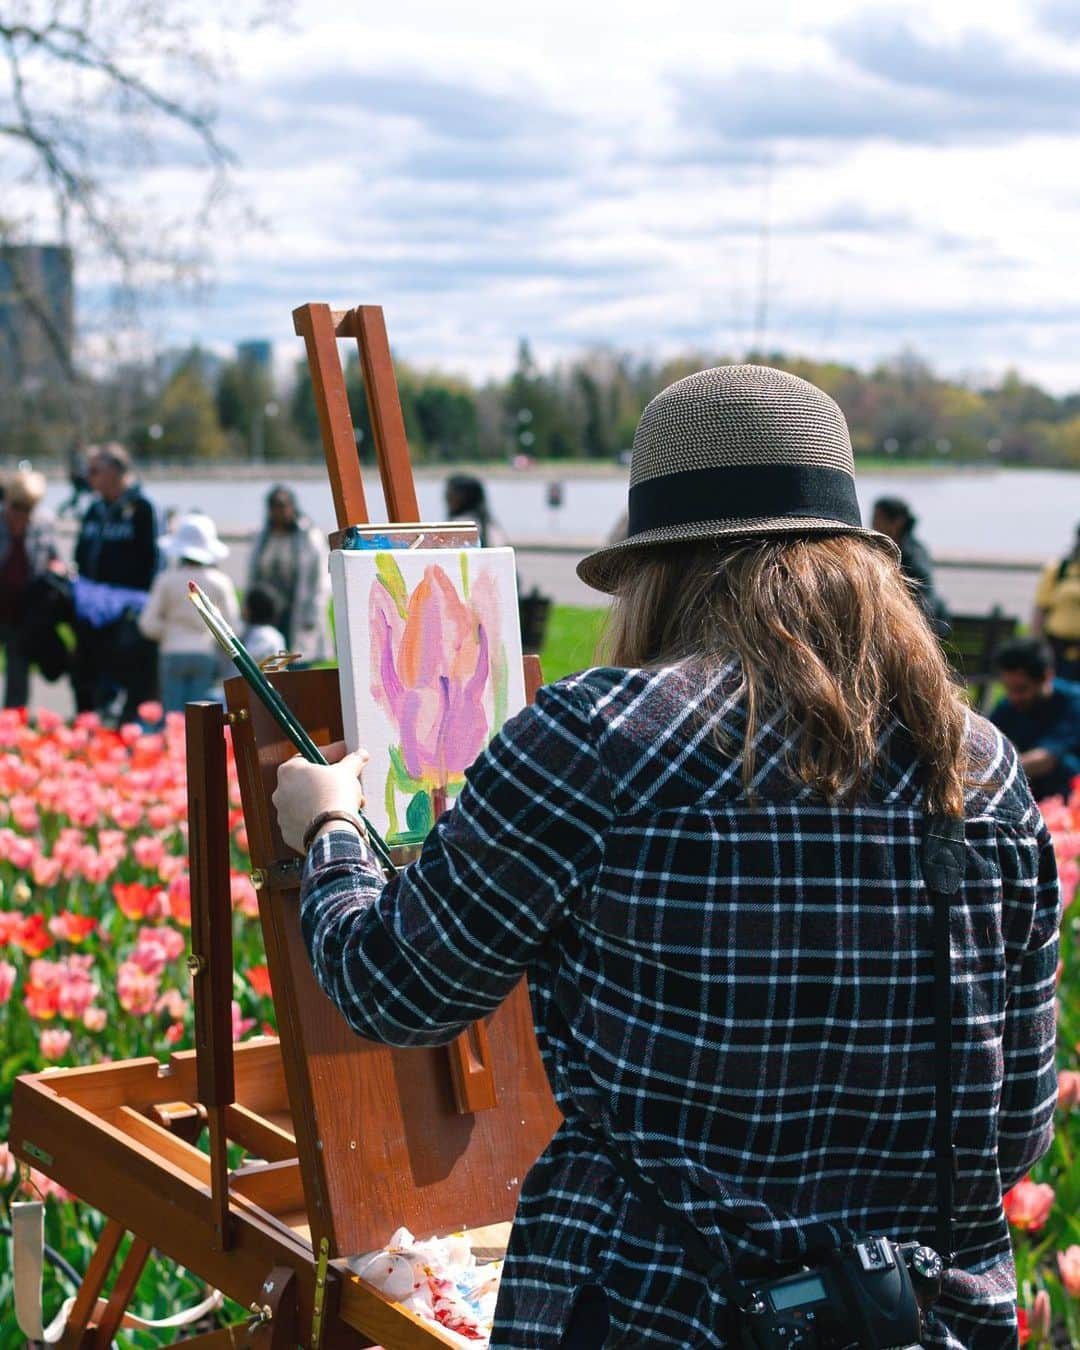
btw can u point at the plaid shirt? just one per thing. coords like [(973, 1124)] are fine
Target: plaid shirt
[(738, 991)]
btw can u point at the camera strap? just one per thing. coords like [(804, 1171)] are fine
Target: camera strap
[(942, 859), (942, 862)]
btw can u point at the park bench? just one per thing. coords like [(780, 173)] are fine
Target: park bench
[(970, 645)]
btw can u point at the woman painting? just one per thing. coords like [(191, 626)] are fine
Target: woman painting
[(705, 857)]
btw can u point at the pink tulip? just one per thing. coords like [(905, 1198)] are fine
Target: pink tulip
[(136, 989), (127, 814), (148, 851), (7, 1163), (94, 1019), (159, 816), (77, 990), (1041, 1316), (54, 1043), (1068, 1089), (1028, 1205), (240, 1025), (244, 896), (7, 981), (1069, 1268), (174, 1003)]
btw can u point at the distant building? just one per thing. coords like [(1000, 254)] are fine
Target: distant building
[(256, 352), (37, 309)]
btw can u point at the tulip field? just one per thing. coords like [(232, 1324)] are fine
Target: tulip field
[(94, 929)]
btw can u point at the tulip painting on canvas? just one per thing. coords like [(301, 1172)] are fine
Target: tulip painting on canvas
[(430, 657)]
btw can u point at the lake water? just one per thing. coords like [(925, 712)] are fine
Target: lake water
[(1009, 513)]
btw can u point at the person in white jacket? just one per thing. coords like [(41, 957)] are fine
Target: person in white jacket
[(187, 652)]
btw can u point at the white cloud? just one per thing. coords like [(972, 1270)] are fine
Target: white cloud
[(899, 175)]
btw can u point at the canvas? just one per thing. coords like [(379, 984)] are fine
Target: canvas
[(429, 651)]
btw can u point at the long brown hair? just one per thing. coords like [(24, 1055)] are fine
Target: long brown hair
[(828, 638)]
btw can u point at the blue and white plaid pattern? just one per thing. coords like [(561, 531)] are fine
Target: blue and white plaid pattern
[(740, 992)]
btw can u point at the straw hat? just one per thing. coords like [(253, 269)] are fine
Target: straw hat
[(25, 486), (195, 537), (736, 451)]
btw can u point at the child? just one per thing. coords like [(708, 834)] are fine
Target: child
[(187, 651), (261, 609)]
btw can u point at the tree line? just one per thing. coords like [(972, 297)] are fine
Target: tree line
[(196, 408)]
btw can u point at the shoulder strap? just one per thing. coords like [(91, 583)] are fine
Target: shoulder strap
[(943, 864), (943, 871)]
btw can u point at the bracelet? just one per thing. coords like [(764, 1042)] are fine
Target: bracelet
[(324, 818)]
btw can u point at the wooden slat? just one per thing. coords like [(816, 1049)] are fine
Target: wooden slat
[(387, 423), (211, 906), (97, 1272), (316, 325), (122, 1292), (163, 1143), (276, 1187), (259, 1135)]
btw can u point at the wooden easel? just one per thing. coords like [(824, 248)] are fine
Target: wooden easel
[(345, 1140)]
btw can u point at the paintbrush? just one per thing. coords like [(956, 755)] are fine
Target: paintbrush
[(275, 705)]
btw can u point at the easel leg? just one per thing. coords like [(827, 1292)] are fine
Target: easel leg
[(121, 1294), (96, 1274)]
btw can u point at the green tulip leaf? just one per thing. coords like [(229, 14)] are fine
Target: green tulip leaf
[(419, 815), (389, 574), (402, 778)]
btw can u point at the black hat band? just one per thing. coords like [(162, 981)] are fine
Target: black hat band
[(744, 492)]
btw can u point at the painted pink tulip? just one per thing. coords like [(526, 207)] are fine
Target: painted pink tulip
[(430, 673), (1069, 1269)]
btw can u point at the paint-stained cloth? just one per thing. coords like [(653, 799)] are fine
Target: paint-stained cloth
[(739, 991)]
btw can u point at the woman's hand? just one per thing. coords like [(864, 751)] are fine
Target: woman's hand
[(305, 790)]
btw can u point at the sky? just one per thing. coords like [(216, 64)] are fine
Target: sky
[(837, 180)]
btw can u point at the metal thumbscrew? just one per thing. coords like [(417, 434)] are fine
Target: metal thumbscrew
[(261, 1314)]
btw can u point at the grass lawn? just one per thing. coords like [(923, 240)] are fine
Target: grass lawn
[(571, 640)]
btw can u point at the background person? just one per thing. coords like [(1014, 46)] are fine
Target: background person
[(706, 859), (892, 517), (1057, 611), (1040, 714), (261, 636), (290, 556), (28, 551), (117, 558), (466, 499), (187, 652)]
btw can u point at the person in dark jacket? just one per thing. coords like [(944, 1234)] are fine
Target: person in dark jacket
[(1040, 714), (705, 858), (28, 551), (892, 517), (116, 556)]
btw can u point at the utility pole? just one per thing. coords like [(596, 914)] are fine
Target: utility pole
[(761, 306)]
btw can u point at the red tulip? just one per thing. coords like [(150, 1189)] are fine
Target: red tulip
[(259, 979)]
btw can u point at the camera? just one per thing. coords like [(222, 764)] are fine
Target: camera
[(871, 1294)]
